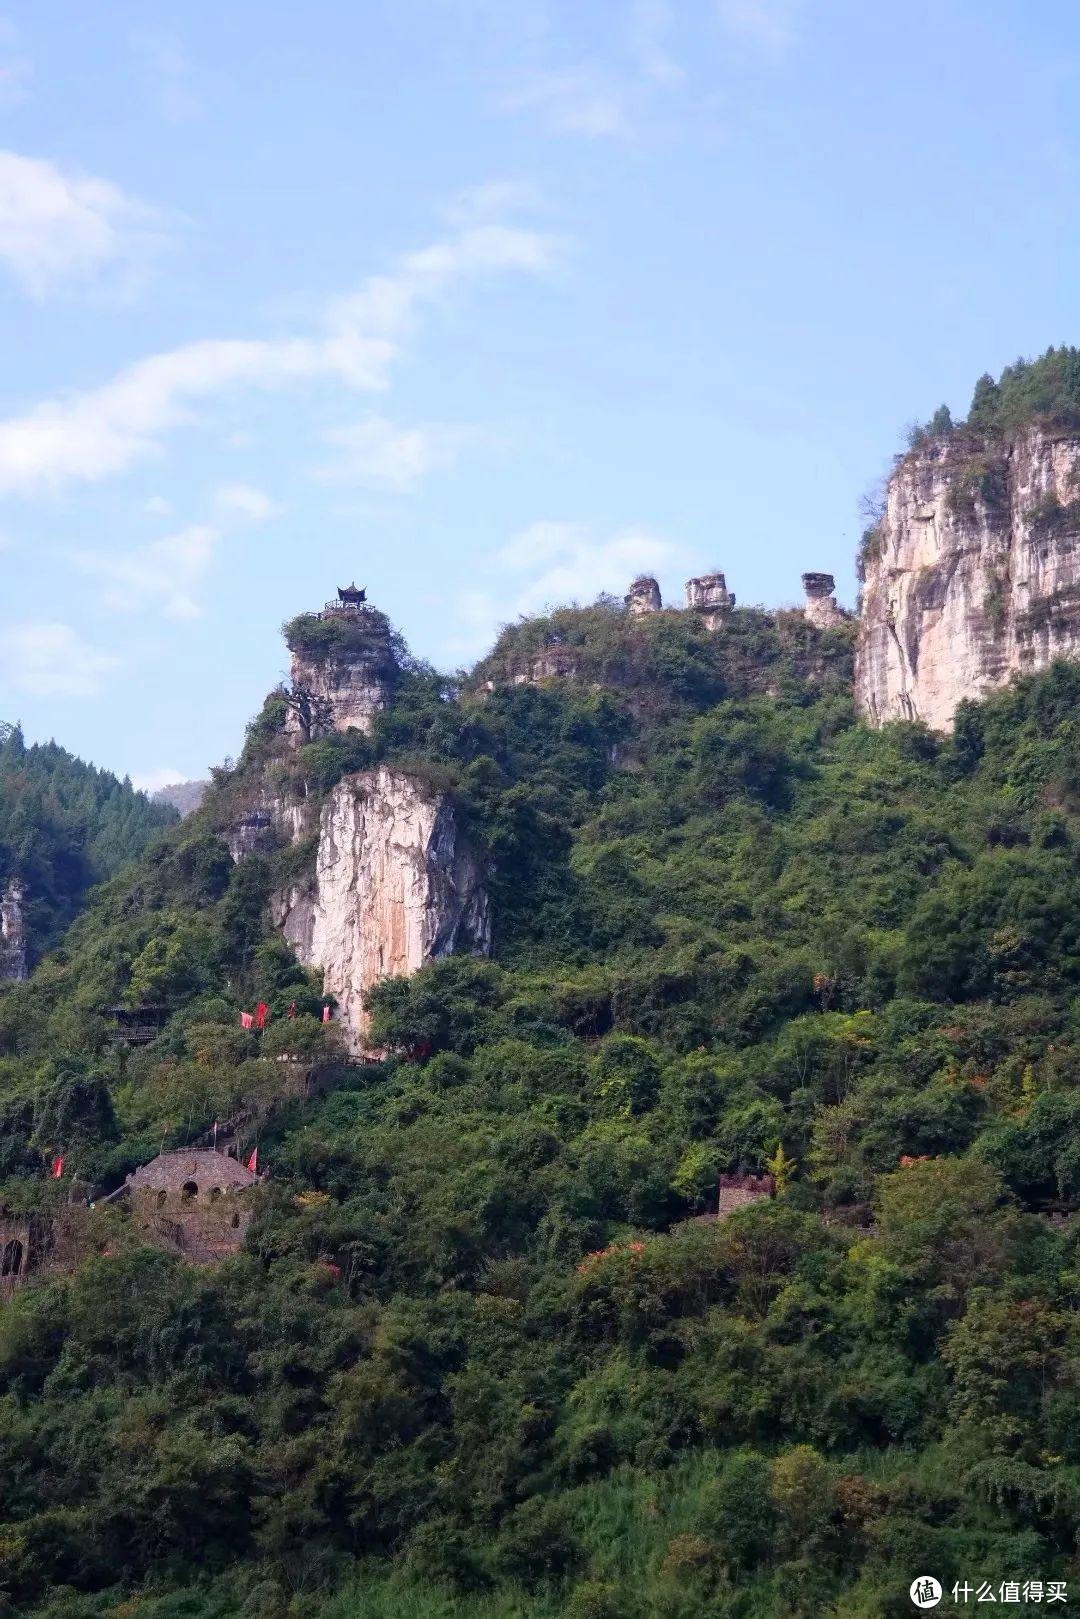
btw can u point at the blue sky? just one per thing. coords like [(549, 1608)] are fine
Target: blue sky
[(485, 303)]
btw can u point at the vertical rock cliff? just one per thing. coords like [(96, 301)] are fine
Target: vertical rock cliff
[(12, 932), (972, 575), (394, 888), (343, 670)]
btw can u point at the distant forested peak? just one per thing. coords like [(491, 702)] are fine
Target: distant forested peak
[(64, 826)]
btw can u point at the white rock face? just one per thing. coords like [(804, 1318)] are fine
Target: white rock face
[(975, 574), (346, 681), (12, 932), (394, 888), (820, 607), (709, 595), (643, 596)]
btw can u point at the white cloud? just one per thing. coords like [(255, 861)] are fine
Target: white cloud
[(552, 563), (481, 204), (167, 75), (87, 436), (152, 781), (158, 506), (14, 66), (164, 576), (650, 23), (167, 575), (57, 227), (243, 500), (572, 101), (383, 455), (767, 25), (46, 658)]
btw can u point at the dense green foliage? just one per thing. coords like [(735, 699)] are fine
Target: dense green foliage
[(1046, 390), (63, 827), (477, 1358), (367, 634)]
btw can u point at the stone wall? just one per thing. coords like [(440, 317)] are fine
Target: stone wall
[(736, 1191), (193, 1202), (20, 1248)]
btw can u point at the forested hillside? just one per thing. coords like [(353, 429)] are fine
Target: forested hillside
[(479, 1358), (64, 826)]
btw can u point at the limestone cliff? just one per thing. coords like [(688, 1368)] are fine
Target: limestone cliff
[(12, 932), (343, 670), (276, 815), (972, 575), (709, 595), (394, 887), (820, 607)]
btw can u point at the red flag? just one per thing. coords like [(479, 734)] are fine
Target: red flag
[(246, 1020), (262, 1012), (253, 1161), (326, 1013), (57, 1166)]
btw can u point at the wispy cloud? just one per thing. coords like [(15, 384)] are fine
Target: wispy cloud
[(167, 575), (167, 74), (650, 26), (47, 658), (553, 562), (245, 501), (766, 25), (491, 201), (57, 226), (380, 454), (14, 66), (572, 101), (91, 435)]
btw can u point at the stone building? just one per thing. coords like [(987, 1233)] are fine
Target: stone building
[(193, 1201), (20, 1247)]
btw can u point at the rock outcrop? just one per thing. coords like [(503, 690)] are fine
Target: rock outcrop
[(343, 669), (643, 596), (972, 575), (821, 608), (394, 887), (709, 595), (274, 817), (13, 965)]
